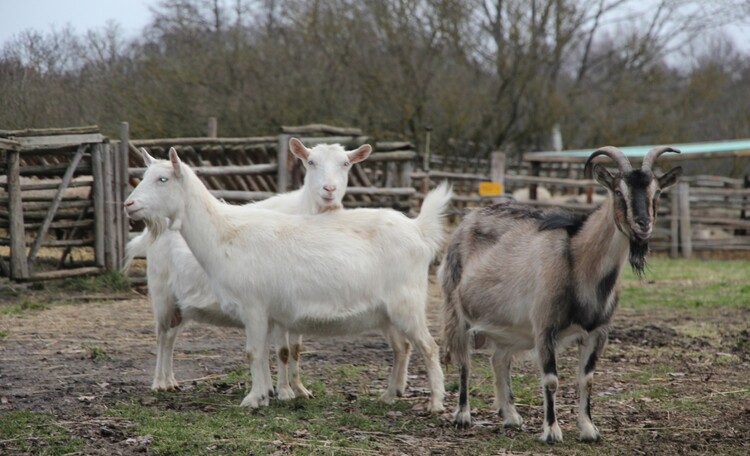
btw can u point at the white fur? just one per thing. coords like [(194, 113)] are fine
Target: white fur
[(340, 272), (179, 286)]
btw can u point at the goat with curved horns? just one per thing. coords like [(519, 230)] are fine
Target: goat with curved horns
[(530, 280)]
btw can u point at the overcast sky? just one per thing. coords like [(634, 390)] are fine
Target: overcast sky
[(133, 15), (82, 15)]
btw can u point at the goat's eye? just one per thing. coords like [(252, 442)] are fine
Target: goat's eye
[(618, 193), (163, 179), (310, 162), (346, 164)]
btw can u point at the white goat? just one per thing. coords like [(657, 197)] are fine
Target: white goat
[(180, 290), (526, 279), (340, 272)]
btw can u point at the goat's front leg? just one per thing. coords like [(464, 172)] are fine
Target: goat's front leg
[(545, 344), (589, 352), (168, 322), (504, 406), (256, 352)]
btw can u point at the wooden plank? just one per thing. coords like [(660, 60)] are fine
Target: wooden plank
[(98, 197), (320, 128), (7, 144), (59, 140), (378, 191), (57, 243), (213, 127), (176, 142), (221, 170), (51, 170), (19, 269), (237, 195), (51, 131), (65, 273), (42, 233), (401, 155)]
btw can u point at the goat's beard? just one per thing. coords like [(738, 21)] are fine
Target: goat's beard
[(156, 226), (638, 253)]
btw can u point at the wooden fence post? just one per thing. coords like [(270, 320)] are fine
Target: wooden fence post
[(674, 223), (213, 127), (97, 194), (282, 149), (686, 231), (110, 249), (19, 268), (121, 191), (497, 169)]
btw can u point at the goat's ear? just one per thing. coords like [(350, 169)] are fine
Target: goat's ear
[(670, 178), (298, 149), (176, 162), (362, 152), (603, 176), (147, 159)]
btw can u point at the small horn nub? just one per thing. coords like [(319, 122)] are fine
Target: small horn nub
[(653, 154), (612, 152)]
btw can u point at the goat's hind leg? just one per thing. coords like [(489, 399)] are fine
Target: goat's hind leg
[(294, 366), (256, 352), (589, 352), (281, 343), (501, 361), (401, 353)]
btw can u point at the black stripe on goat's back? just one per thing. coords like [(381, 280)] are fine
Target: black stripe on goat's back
[(571, 223), (552, 220)]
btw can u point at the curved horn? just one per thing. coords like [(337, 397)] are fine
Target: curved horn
[(653, 154), (612, 152)]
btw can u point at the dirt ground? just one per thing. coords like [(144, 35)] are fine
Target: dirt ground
[(48, 365)]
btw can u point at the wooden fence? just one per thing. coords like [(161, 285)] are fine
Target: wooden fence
[(65, 189)]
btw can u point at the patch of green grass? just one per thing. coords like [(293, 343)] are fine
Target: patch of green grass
[(23, 306), (109, 281), (26, 432), (3, 334), (688, 284)]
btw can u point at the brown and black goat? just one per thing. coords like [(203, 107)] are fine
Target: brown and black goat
[(524, 279)]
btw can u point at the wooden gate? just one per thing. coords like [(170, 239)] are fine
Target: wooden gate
[(60, 204)]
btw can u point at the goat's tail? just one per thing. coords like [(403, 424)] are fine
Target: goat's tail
[(430, 219), (455, 326), (138, 246)]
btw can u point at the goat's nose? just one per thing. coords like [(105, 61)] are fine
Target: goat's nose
[(329, 188), (642, 224), (128, 203)]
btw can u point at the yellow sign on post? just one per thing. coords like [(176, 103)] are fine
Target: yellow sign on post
[(490, 188)]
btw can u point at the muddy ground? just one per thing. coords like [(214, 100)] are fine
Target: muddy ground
[(50, 363)]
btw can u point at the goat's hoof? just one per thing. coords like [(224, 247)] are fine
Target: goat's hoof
[(589, 433), (285, 394), (513, 422), (462, 420), (389, 397), (551, 434), (254, 401)]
